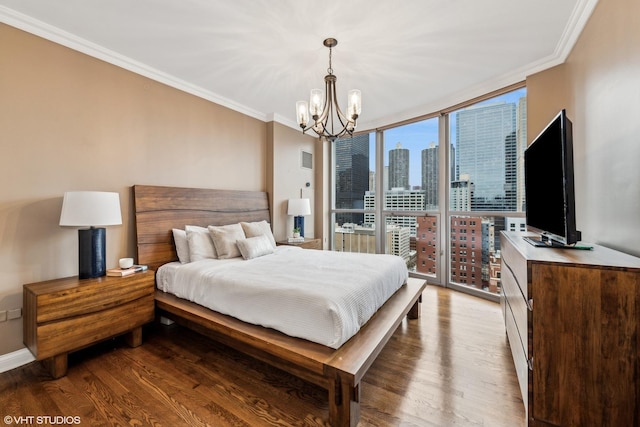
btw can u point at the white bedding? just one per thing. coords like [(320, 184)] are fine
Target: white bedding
[(321, 296)]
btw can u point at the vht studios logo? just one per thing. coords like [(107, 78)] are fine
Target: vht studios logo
[(41, 420)]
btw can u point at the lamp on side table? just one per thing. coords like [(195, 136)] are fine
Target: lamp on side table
[(91, 209), (299, 208)]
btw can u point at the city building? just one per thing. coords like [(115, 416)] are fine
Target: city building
[(430, 161), (399, 167), (461, 192), (483, 134), (361, 239), (352, 175), (426, 244), (466, 240), (397, 199)]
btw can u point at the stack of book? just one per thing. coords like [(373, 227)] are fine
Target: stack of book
[(296, 239), (126, 271)]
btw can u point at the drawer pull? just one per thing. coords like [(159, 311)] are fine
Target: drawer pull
[(530, 304), (530, 363)]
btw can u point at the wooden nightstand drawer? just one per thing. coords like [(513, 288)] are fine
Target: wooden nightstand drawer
[(76, 332), (68, 297), (308, 243)]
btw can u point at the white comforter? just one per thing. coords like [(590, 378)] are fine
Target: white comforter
[(321, 296)]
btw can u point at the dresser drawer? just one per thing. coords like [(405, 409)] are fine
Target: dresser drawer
[(518, 346), (516, 264), (76, 332), (516, 303)]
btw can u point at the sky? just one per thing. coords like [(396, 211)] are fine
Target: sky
[(419, 135)]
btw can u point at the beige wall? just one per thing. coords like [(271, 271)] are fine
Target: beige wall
[(599, 85), (287, 179), (72, 122)]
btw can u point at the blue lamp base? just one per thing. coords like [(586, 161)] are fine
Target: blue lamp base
[(92, 253), (298, 222)]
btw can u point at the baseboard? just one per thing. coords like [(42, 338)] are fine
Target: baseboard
[(15, 359)]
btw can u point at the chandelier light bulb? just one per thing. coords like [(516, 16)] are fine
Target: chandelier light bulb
[(315, 103), (355, 103), (302, 111)]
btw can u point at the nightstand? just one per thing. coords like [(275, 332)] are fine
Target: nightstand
[(309, 243), (64, 315)]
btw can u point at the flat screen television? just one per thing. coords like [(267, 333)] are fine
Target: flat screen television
[(549, 188)]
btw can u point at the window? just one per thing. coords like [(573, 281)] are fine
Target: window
[(434, 190), (488, 140)]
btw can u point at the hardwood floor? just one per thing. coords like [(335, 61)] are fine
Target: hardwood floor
[(451, 367)]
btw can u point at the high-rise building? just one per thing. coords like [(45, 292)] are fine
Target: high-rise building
[(521, 146), (397, 200), (426, 248), (430, 168), (362, 239), (352, 175), (483, 134), (461, 191), (510, 172), (399, 168), (466, 240)]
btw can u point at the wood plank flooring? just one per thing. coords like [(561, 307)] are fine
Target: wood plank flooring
[(452, 367)]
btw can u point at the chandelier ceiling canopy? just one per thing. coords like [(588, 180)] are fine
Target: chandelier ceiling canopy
[(328, 120)]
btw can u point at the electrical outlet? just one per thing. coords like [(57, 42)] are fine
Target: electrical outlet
[(3, 316), (16, 313)]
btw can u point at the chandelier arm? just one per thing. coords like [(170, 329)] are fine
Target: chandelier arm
[(343, 119)]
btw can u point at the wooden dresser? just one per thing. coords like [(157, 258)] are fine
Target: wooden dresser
[(572, 319), (65, 315)]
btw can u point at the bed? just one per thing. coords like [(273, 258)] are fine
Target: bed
[(158, 210)]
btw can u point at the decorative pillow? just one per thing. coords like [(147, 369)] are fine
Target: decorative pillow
[(225, 238), (182, 245), (261, 228), (254, 247), (200, 243)]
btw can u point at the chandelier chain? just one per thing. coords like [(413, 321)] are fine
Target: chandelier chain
[(330, 69)]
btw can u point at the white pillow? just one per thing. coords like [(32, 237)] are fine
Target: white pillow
[(254, 247), (200, 243), (182, 245), (260, 228), (225, 238)]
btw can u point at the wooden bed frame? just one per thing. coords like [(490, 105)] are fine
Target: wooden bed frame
[(160, 209)]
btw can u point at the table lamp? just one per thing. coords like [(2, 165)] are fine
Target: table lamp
[(93, 209), (298, 208)]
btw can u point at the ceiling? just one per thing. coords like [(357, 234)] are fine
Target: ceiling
[(259, 57)]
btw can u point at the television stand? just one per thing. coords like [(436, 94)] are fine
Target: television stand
[(545, 242)]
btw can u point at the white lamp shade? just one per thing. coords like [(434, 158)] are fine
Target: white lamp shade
[(299, 207), (90, 209)]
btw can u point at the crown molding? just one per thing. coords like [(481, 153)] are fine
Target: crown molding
[(577, 21), (64, 38)]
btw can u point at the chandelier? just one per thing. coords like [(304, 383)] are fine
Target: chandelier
[(328, 120)]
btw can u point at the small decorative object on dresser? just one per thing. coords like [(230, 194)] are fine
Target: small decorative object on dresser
[(125, 262), (64, 315)]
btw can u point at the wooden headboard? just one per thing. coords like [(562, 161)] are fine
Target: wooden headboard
[(160, 209)]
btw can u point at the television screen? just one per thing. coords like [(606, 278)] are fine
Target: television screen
[(549, 188)]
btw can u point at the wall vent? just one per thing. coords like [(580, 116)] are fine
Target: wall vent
[(307, 160)]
